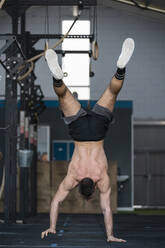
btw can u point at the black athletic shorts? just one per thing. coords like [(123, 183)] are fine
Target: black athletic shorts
[(89, 125)]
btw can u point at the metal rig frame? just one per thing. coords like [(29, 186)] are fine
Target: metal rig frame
[(16, 9), (11, 116)]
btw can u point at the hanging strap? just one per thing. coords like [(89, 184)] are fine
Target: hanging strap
[(95, 48), (41, 54), (2, 3), (58, 43)]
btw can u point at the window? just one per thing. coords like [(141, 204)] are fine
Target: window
[(77, 65)]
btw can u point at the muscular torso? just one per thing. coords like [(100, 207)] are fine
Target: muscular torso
[(88, 160)]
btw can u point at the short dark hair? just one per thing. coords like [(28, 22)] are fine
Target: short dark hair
[(86, 187)]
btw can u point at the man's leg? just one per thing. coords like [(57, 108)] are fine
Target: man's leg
[(69, 105), (109, 96)]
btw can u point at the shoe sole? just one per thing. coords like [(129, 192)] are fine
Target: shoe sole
[(52, 61), (126, 53)]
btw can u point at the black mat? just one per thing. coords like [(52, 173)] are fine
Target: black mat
[(86, 231)]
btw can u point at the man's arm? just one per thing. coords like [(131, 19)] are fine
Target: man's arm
[(107, 212), (59, 197), (105, 192), (62, 192)]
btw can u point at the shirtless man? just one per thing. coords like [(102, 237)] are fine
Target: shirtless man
[(88, 166)]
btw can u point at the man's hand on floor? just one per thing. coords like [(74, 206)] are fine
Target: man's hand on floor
[(49, 230), (113, 239)]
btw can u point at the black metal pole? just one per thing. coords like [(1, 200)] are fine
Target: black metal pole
[(24, 172), (33, 147), (10, 150), (11, 114)]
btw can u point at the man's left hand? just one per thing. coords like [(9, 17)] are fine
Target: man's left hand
[(113, 239)]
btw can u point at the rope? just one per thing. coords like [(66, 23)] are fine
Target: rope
[(2, 3), (3, 178), (58, 43), (46, 26), (3, 183), (95, 48), (41, 54), (137, 5)]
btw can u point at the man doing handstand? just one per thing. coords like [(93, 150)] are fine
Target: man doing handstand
[(88, 166)]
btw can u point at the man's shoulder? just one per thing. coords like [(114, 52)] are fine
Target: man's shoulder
[(69, 181), (104, 183)]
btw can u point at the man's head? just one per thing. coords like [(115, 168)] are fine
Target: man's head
[(86, 187)]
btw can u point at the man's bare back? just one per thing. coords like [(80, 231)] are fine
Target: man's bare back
[(88, 160)]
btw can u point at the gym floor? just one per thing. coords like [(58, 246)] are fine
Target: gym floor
[(86, 231)]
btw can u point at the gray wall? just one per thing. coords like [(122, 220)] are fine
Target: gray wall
[(149, 164), (144, 82)]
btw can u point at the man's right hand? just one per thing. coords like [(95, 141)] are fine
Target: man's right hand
[(46, 232), (111, 238)]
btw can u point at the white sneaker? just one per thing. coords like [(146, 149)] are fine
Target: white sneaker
[(126, 53), (52, 61)]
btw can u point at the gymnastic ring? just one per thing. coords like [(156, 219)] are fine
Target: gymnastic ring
[(27, 73), (65, 74), (95, 50)]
